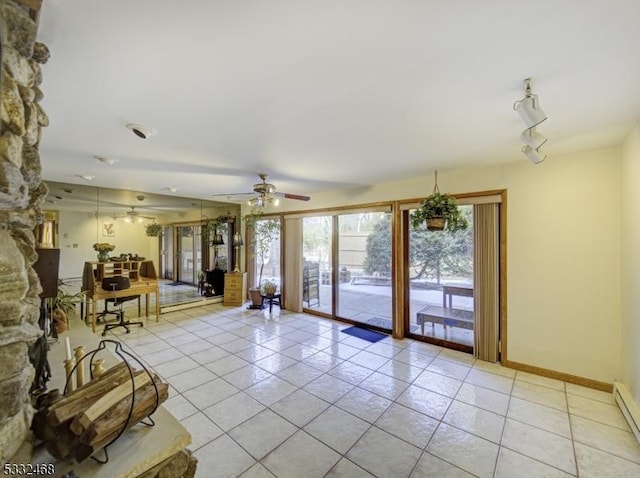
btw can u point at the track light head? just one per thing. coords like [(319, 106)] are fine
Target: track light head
[(536, 156), (529, 107), (532, 138)]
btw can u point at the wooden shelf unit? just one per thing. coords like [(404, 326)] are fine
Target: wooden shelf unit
[(235, 288), (95, 272)]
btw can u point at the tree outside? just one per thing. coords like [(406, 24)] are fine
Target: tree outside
[(432, 255)]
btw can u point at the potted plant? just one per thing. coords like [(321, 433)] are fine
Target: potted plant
[(268, 287), (439, 212), (103, 249), (61, 305), (153, 230)]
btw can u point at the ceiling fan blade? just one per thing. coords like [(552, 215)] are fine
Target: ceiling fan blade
[(236, 194), (292, 196)]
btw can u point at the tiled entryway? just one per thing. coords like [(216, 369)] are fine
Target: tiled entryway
[(292, 396)]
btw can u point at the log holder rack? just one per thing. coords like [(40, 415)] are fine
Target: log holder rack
[(122, 354)]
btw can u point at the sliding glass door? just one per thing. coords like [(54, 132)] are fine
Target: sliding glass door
[(347, 267), (317, 272), (364, 268), (440, 277), (189, 253)]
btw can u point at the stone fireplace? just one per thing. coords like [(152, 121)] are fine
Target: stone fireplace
[(21, 193)]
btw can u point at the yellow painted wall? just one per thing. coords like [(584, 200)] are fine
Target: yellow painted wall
[(78, 232), (630, 187), (563, 254)]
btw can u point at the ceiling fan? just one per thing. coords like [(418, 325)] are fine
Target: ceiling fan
[(266, 194), (133, 216)]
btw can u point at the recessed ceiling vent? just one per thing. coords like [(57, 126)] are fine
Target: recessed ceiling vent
[(141, 131)]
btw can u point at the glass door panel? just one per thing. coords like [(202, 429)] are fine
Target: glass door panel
[(219, 255), (167, 253), (186, 253), (440, 267), (364, 264), (317, 264), (267, 251)]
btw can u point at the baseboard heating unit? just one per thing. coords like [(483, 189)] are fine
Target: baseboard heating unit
[(628, 407)]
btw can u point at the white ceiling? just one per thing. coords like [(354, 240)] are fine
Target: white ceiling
[(324, 95)]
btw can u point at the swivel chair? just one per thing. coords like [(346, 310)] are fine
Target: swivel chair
[(103, 315), (115, 284)]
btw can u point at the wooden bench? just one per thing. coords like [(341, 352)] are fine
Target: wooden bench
[(373, 280), (445, 316)]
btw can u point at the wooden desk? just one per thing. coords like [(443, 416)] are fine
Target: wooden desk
[(142, 277), (144, 286), (463, 290)]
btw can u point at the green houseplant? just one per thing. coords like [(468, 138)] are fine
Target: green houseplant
[(268, 287), (61, 305), (153, 230), (439, 212)]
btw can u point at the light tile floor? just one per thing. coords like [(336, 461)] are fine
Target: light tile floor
[(290, 395)]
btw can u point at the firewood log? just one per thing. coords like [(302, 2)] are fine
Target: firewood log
[(115, 418), (82, 398), (140, 412), (64, 443), (104, 403)]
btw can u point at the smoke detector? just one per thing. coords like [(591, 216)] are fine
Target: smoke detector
[(141, 131)]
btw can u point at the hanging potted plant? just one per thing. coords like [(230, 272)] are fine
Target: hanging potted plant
[(439, 212), (153, 230)]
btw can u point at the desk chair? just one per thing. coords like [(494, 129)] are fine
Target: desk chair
[(115, 284)]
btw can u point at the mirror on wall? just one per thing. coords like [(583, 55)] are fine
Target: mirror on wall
[(78, 216)]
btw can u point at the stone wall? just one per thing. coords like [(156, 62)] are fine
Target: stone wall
[(21, 193)]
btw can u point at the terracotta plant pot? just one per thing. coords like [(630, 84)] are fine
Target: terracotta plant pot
[(256, 298), (59, 318)]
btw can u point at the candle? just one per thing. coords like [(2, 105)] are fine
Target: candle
[(68, 348)]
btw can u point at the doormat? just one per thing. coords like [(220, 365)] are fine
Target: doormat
[(177, 283), (368, 335)]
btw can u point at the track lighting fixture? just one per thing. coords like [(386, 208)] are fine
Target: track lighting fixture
[(536, 156), (532, 138), (531, 113), (529, 107)]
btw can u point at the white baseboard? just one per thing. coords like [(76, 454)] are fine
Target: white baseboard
[(628, 406)]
